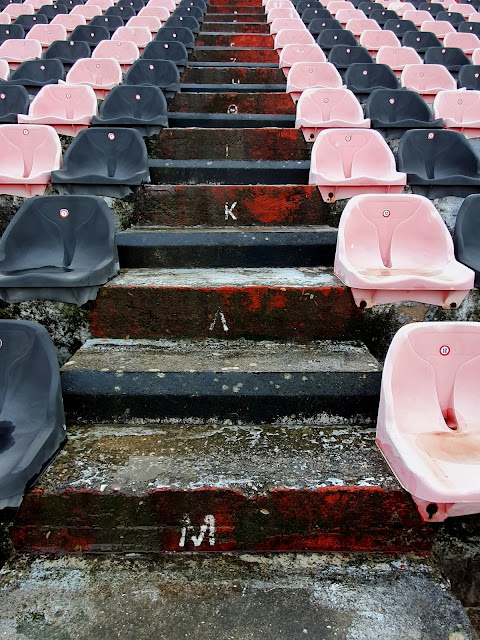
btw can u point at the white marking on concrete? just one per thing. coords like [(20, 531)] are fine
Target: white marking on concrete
[(189, 530), (229, 210), (223, 320)]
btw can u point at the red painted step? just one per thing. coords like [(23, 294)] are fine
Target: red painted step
[(274, 103), (233, 54), (234, 40)]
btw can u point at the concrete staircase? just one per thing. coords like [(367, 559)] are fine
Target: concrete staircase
[(226, 402)]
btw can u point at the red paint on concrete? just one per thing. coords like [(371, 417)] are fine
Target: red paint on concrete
[(234, 40), (264, 103)]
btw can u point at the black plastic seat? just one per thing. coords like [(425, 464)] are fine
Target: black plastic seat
[(438, 163), (382, 15), (362, 79), (475, 3), (315, 12), (317, 25), (189, 22), (342, 56), (92, 35), (452, 58), (136, 5), (194, 3), (109, 162), (432, 7), (52, 10), (143, 108), (330, 37), (183, 35), (420, 40), (122, 12), (400, 27), (68, 51), (11, 31), (470, 27), (467, 235), (35, 74), (174, 51), (58, 248), (159, 73), (72, 3), (453, 17), (368, 7), (27, 21), (185, 12), (110, 22), (13, 100), (394, 111), (469, 77), (32, 419)]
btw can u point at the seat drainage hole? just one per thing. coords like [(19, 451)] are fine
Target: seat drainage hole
[(453, 305), (363, 304), (431, 510)]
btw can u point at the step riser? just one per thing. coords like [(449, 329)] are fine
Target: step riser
[(255, 312), (215, 75), (230, 121), (229, 144), (366, 519), (234, 40), (235, 27), (234, 6), (278, 103), (242, 18), (248, 173), (227, 54), (241, 9), (229, 205)]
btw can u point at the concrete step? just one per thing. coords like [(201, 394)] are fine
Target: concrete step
[(232, 54), (294, 487), (204, 171), (241, 7), (242, 18), (227, 247), (233, 65), (239, 88), (233, 103), (272, 144), (202, 380), (233, 75), (287, 304), (219, 39), (230, 120), (278, 597), (234, 26), (229, 205), (230, 9)]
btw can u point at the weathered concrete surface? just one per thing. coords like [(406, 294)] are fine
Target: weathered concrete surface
[(233, 75), (234, 27), (239, 40), (229, 205), (279, 103), (243, 18), (232, 54), (232, 597), (235, 380), (229, 144)]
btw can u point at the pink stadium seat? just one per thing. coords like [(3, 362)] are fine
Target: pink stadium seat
[(400, 7), (373, 40), (87, 12), (36, 4), (5, 18), (103, 4), (344, 15), (439, 27), (319, 109), (282, 12), (161, 13), (4, 69), (16, 51), (476, 57), (141, 36), (277, 4), (100, 74), (47, 33), (125, 53), (293, 53), (15, 10), (168, 4), (474, 17), (418, 17), (286, 23), (427, 80), (334, 5), (66, 108), (29, 154), (467, 42), (392, 248), (347, 162), (69, 21), (397, 58), (292, 36), (358, 25), (464, 9), (427, 426), (383, 3), (303, 75), (460, 111), (152, 23)]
